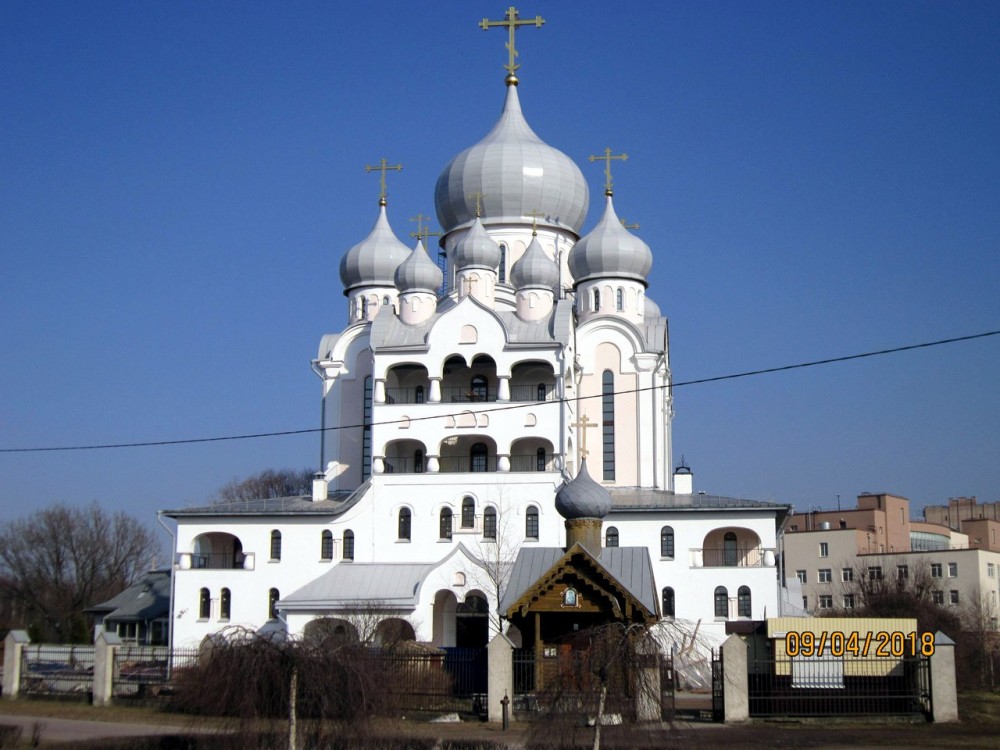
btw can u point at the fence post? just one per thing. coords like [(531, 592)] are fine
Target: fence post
[(13, 647), (736, 691), (104, 667), (500, 675), (944, 695)]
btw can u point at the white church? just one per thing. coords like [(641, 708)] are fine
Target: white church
[(467, 387)]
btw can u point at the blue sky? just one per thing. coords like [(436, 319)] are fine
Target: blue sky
[(178, 182)]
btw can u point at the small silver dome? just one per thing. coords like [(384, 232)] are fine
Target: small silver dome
[(418, 273), (476, 249), (651, 309), (373, 261), (610, 251), (582, 497), (514, 172), (534, 268)]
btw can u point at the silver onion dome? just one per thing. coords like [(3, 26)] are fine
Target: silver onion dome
[(476, 249), (582, 497), (373, 261), (610, 251), (534, 269), (513, 173), (418, 273)]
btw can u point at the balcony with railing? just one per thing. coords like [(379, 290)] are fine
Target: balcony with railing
[(466, 464), (732, 557)]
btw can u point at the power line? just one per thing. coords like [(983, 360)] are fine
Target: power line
[(527, 405)]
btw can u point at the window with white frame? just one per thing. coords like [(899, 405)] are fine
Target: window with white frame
[(824, 549), (953, 596), (935, 570), (953, 570), (801, 575), (825, 575), (826, 601), (848, 601), (847, 575), (937, 597)]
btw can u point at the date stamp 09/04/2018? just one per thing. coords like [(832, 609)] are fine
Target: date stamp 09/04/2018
[(873, 644)]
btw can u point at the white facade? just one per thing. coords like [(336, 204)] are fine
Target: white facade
[(479, 402)]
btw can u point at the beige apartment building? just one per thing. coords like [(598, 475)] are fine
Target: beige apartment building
[(826, 551)]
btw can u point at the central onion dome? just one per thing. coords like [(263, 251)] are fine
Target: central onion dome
[(373, 261), (514, 173), (582, 497), (610, 251)]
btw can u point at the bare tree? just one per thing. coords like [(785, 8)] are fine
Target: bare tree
[(269, 483), (979, 649), (61, 559), (497, 555)]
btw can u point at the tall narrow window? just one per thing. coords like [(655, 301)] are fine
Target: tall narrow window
[(272, 603), (418, 394), (611, 537), (204, 604), (729, 551), (489, 523), (348, 545), (225, 604), (597, 300), (468, 512), (477, 457), (667, 541), (275, 545), (743, 601), (479, 389), (445, 524), (721, 602), (418, 461), (531, 523), (608, 422), (403, 530), (540, 459), (364, 308), (620, 300), (540, 392), (668, 602), (502, 270), (385, 300), (366, 431), (326, 545)]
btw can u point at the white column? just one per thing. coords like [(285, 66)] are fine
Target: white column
[(503, 389), (379, 391), (434, 397)]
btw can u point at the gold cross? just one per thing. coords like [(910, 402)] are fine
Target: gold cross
[(607, 166), (423, 230), (511, 21), (627, 225), (479, 202), (383, 167), (535, 215), (583, 423)]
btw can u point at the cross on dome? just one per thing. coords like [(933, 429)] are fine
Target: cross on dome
[(383, 167), (511, 20), (607, 158)]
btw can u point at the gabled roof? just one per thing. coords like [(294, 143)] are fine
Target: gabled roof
[(348, 584), (629, 567), (145, 600), (336, 503)]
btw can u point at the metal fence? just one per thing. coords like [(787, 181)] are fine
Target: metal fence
[(146, 671), (829, 686), (50, 669), (448, 679)]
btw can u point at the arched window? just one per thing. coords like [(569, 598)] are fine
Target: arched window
[(667, 541), (729, 552), (597, 300), (477, 457), (531, 523), (620, 300), (326, 545), (204, 604), (272, 603), (225, 604), (364, 308), (468, 512), (418, 461), (366, 431), (418, 394), (489, 523), (540, 392), (478, 388), (608, 423), (502, 271), (743, 601), (348, 545), (445, 524), (540, 459), (385, 300), (403, 527), (721, 602), (611, 537), (668, 602), (275, 545)]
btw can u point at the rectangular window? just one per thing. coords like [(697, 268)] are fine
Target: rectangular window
[(935, 570), (875, 573), (847, 575), (953, 570), (608, 423), (826, 601), (991, 570), (824, 549), (801, 575), (825, 575), (848, 601), (938, 597), (902, 572), (805, 602), (953, 596)]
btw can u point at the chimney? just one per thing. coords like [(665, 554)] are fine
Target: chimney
[(320, 487), (683, 479)]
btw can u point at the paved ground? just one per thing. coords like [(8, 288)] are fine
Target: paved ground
[(53, 729)]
